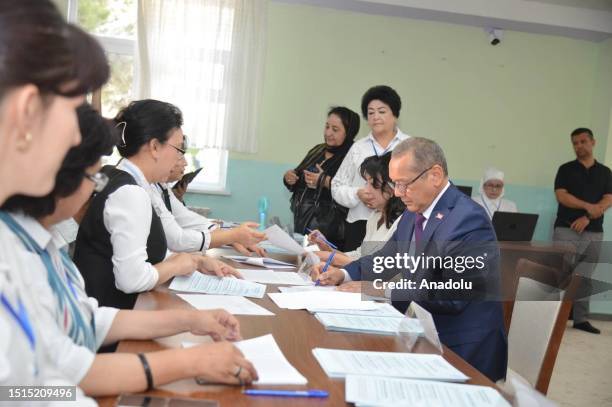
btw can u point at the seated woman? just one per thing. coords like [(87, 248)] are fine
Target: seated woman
[(311, 179), (381, 223), (492, 192), (75, 326), (121, 248), (241, 238)]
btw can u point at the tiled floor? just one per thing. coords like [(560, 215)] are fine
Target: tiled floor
[(583, 372)]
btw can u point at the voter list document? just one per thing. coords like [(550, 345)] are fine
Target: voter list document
[(197, 282)]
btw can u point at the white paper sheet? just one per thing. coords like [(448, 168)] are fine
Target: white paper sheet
[(383, 310), (340, 363), (275, 277), (296, 289), (279, 238), (324, 299), (384, 391), (231, 303), (271, 365), (261, 262), (371, 325), (201, 283)]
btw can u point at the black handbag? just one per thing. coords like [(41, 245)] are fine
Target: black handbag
[(311, 212)]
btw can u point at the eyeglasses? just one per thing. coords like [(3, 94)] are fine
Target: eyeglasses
[(402, 186), (99, 179), (180, 150)]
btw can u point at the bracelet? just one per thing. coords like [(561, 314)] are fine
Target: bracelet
[(147, 371)]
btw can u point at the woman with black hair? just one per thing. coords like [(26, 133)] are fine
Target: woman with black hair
[(311, 202), (46, 68), (75, 326), (381, 106), (121, 248), (387, 211)]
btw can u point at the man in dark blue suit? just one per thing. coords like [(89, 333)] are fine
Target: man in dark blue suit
[(443, 255)]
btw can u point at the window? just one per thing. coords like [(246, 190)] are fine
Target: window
[(114, 24)]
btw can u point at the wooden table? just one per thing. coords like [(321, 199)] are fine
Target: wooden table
[(297, 333)]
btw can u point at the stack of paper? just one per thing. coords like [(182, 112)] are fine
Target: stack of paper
[(230, 303), (323, 299), (267, 358), (261, 262), (201, 283), (340, 363), (369, 325), (275, 277), (384, 391), (383, 310)]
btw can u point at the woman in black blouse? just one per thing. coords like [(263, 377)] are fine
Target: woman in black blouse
[(311, 203)]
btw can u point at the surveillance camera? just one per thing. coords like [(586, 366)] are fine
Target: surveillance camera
[(495, 35)]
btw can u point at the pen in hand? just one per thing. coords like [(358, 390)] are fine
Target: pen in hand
[(326, 266)]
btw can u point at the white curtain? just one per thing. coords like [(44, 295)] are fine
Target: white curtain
[(206, 57)]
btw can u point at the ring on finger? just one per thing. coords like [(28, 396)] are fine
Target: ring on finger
[(237, 374)]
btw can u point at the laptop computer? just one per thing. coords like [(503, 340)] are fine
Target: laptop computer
[(465, 189), (514, 226)]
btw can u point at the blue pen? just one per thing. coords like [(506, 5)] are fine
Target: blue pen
[(320, 236), (287, 393), (326, 266)]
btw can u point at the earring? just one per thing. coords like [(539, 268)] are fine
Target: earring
[(24, 142)]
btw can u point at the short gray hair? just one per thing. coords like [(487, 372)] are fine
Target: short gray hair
[(426, 153)]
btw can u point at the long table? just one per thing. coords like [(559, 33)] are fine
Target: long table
[(297, 333)]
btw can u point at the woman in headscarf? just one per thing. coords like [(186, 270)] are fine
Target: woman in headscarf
[(310, 181), (492, 192)]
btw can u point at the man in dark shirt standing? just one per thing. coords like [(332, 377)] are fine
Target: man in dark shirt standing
[(583, 188)]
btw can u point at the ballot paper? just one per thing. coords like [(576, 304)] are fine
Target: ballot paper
[(261, 262), (279, 238), (369, 325), (197, 282), (384, 391), (275, 277), (383, 310), (340, 363), (324, 299), (230, 303), (267, 358), (296, 289)]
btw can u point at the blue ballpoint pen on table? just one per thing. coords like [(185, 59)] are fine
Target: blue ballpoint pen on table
[(286, 393), (320, 236), (326, 266)]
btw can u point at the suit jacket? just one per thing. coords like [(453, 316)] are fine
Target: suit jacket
[(468, 321)]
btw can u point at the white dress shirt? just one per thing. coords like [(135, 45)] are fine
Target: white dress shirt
[(127, 218), (348, 180), (186, 218), (375, 237), (73, 360), (20, 364), (426, 214)]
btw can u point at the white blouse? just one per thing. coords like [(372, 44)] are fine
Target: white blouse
[(186, 218), (375, 237), (73, 360), (127, 218), (348, 180), (499, 205), (21, 364)]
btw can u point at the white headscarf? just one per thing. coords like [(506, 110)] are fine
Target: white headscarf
[(491, 205)]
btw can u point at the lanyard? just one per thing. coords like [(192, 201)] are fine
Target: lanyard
[(21, 316), (389, 147), (487, 206), (79, 331)]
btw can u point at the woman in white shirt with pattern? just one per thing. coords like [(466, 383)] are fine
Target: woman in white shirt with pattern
[(381, 106), (491, 196)]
